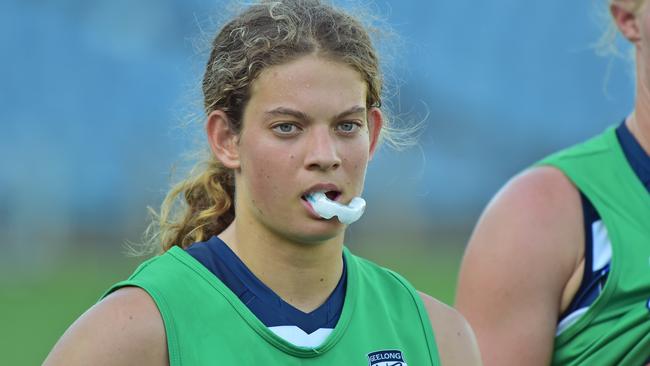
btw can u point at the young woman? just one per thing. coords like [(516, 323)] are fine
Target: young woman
[(558, 268), (254, 269)]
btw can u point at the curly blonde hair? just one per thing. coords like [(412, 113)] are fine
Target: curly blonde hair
[(265, 34)]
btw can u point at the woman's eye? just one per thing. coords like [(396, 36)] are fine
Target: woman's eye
[(348, 127), (285, 128)]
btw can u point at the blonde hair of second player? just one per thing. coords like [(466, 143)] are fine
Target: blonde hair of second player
[(266, 34), (636, 4), (607, 43)]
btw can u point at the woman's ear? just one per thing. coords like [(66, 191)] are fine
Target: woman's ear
[(223, 140), (626, 19), (375, 124)]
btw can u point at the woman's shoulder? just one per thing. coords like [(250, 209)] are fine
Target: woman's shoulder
[(539, 190), (534, 222), (454, 337), (539, 205), (123, 328), (521, 258)]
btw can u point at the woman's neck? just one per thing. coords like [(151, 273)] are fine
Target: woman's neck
[(303, 275), (639, 121)]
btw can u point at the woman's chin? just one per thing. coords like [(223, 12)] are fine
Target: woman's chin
[(319, 231)]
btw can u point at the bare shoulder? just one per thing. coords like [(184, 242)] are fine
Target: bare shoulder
[(545, 187), (537, 214), (125, 328), (454, 337), (525, 249)]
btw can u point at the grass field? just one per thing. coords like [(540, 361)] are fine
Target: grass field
[(35, 312)]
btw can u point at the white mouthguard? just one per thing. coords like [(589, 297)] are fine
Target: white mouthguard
[(327, 208)]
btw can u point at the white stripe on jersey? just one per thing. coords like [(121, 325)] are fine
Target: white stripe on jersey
[(602, 246), (569, 320), (602, 255), (298, 337)]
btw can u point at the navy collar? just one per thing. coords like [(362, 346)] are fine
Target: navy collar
[(638, 159), (217, 257)]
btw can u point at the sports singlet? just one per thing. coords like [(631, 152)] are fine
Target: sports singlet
[(598, 248), (615, 328), (302, 329), (383, 320)]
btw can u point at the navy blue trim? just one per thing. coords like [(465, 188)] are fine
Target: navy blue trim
[(638, 159), (217, 257), (592, 282)]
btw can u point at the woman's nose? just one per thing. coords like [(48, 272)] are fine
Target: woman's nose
[(322, 152)]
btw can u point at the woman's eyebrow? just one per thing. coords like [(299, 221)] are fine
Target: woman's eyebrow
[(284, 111), (354, 110)]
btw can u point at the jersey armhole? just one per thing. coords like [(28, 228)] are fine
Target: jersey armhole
[(173, 349), (588, 212), (593, 279)]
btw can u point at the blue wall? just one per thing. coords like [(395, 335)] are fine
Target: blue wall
[(92, 93)]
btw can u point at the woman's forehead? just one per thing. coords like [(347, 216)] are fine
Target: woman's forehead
[(309, 68), (308, 81)]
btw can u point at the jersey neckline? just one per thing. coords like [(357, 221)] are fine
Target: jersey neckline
[(626, 169), (247, 315), (636, 156), (267, 306)]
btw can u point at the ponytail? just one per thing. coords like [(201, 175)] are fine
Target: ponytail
[(195, 209)]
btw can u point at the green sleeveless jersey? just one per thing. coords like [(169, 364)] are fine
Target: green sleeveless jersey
[(615, 330), (383, 321)]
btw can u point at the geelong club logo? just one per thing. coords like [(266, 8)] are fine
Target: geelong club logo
[(390, 357)]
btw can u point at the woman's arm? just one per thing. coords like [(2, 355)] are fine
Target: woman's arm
[(454, 337), (519, 270), (125, 328)]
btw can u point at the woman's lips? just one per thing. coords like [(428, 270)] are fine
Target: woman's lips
[(310, 209)]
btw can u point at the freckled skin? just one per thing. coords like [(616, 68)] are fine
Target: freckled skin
[(276, 171)]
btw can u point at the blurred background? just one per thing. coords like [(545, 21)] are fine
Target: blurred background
[(94, 94)]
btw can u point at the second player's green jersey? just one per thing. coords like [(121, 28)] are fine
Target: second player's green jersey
[(615, 330), (383, 321)]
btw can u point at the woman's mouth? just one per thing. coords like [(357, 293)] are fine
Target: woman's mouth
[(332, 195), (323, 206)]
